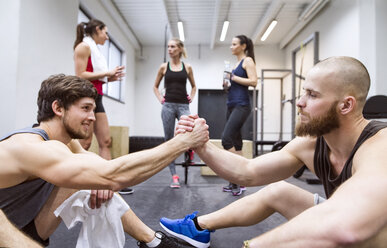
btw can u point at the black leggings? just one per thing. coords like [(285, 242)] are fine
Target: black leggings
[(232, 133)]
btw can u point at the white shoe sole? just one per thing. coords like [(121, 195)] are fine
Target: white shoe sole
[(125, 193), (189, 240)]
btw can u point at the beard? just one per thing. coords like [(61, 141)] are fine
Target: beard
[(319, 126), (74, 134)]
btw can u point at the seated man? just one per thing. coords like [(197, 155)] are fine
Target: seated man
[(347, 153), (35, 159)]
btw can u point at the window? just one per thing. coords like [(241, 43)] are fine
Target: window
[(113, 55)]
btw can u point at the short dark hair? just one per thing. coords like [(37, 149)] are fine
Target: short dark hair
[(65, 89)]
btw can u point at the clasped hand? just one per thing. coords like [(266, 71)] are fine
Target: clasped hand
[(196, 126)]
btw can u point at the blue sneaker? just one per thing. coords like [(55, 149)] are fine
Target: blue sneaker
[(186, 230)]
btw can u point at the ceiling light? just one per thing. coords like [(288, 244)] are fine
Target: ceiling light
[(224, 30), (181, 30), (268, 30)]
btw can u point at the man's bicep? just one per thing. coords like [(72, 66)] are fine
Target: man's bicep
[(54, 162)]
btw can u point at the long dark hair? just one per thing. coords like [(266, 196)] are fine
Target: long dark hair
[(249, 51), (88, 28)]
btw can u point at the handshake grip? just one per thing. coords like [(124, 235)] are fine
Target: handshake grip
[(196, 131)]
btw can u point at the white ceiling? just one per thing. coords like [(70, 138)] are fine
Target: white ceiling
[(203, 19)]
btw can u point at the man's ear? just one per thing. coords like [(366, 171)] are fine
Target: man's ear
[(57, 108), (347, 105)]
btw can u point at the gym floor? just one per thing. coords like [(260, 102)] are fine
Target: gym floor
[(154, 199)]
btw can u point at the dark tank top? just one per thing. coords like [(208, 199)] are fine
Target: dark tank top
[(238, 94), (21, 203), (322, 165), (175, 85)]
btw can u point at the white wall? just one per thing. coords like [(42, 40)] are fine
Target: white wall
[(8, 62), (40, 37), (38, 44), (208, 66), (381, 47), (45, 48)]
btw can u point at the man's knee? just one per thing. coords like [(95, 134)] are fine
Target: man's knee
[(277, 191), (287, 199)]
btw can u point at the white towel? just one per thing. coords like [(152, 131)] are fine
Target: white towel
[(97, 58), (102, 227)]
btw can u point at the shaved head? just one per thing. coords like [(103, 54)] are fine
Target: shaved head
[(350, 77)]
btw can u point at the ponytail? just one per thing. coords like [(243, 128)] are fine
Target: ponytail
[(80, 33), (249, 51), (87, 28)]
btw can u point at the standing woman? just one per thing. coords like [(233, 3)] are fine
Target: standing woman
[(176, 100), (238, 102), (90, 64)]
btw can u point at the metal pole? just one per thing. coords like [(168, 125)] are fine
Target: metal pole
[(262, 91), (281, 110), (255, 109), (315, 48), (293, 93)]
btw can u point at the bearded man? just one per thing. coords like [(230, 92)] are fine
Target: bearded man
[(334, 140)]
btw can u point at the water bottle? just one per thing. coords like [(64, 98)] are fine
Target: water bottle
[(226, 75)]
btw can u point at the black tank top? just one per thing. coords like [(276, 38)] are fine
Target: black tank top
[(21, 203), (322, 165), (175, 85)]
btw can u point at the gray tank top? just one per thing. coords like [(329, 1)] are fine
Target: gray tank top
[(21, 203), (322, 164)]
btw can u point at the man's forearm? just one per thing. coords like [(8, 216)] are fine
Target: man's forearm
[(83, 170), (135, 168), (224, 163)]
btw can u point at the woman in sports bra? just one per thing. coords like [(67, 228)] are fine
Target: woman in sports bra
[(91, 64), (175, 101)]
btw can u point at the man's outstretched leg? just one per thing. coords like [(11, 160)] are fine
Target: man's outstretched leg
[(10, 236), (280, 197)]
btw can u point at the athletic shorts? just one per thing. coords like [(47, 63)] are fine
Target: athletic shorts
[(99, 106), (318, 199), (30, 230)]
